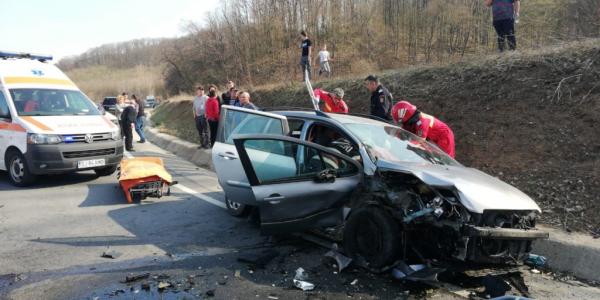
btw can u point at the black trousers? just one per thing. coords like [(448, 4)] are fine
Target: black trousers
[(127, 134), (213, 131), (506, 31)]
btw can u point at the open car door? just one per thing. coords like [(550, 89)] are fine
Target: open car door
[(298, 185), (234, 121)]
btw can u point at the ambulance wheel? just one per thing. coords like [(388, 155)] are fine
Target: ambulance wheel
[(18, 171), (106, 171), (237, 209), (372, 236)]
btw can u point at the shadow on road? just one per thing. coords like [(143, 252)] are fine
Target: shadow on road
[(47, 181), (103, 194)]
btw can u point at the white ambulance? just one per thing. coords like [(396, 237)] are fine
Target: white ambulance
[(48, 126)]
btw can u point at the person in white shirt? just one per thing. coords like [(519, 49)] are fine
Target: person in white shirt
[(324, 61), (199, 108)]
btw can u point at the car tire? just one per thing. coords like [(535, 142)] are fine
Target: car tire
[(106, 171), (237, 209), (371, 235), (18, 171)]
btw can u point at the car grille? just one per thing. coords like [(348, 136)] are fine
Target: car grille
[(80, 138), (88, 153)]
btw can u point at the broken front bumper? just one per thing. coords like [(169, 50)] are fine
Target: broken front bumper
[(505, 233), (492, 245)]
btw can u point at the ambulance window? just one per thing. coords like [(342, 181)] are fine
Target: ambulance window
[(4, 113)]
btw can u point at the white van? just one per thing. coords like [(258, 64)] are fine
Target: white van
[(48, 126)]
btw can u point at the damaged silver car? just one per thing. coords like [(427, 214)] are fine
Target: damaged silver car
[(384, 193)]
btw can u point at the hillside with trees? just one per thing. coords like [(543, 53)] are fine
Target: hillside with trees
[(255, 42)]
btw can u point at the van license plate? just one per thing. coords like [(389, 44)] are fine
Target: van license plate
[(83, 164)]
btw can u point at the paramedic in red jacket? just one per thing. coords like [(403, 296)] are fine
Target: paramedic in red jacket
[(333, 102), (425, 126), (212, 114)]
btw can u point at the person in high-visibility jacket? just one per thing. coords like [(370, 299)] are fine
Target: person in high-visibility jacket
[(333, 102), (428, 127)]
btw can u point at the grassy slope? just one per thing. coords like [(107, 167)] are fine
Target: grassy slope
[(507, 117)]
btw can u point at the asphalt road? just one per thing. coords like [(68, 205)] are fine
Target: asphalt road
[(52, 237)]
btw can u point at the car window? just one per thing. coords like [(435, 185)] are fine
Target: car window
[(282, 161), (240, 122), (394, 144), (50, 102), (295, 127), (4, 112), (333, 138)]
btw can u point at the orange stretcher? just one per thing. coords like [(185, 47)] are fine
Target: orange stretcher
[(142, 177)]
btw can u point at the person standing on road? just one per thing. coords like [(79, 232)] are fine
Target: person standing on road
[(324, 60), (381, 98), (334, 102), (128, 117), (306, 46), (199, 108), (245, 101), (505, 14), (140, 120), (428, 127), (212, 115)]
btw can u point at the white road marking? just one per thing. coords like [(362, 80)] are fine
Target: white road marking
[(200, 196), (187, 190)]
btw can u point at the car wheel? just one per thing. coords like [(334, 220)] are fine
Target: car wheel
[(18, 171), (371, 235), (237, 209), (107, 171)]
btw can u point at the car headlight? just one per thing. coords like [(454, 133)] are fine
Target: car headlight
[(39, 139), (116, 135)]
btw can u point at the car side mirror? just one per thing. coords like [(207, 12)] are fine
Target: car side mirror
[(326, 176)]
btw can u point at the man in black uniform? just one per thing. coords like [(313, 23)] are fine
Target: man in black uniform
[(381, 98), (128, 117)]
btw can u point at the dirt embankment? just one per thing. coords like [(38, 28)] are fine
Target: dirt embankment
[(531, 119)]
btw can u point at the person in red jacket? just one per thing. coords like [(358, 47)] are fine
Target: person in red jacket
[(424, 125), (212, 115), (334, 101)]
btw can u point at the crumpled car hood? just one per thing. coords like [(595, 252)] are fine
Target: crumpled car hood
[(477, 190)]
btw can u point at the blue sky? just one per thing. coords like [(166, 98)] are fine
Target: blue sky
[(67, 27)]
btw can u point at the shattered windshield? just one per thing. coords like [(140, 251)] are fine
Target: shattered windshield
[(396, 145), (50, 102)]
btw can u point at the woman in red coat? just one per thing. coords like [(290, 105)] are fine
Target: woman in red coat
[(212, 115)]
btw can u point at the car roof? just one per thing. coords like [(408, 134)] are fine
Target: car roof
[(28, 73), (340, 118)]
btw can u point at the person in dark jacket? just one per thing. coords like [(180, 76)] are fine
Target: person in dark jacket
[(128, 117), (505, 13), (381, 98), (227, 97), (140, 120)]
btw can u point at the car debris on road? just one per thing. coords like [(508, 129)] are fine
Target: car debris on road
[(300, 280), (341, 261)]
